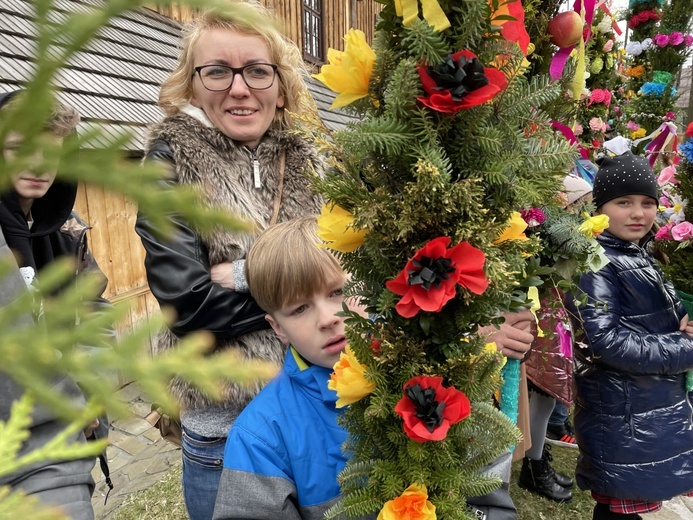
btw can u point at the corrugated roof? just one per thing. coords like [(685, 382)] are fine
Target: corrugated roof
[(114, 82)]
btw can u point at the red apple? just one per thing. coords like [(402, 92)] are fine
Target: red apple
[(565, 29)]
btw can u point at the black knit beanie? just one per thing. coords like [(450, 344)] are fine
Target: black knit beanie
[(624, 174)]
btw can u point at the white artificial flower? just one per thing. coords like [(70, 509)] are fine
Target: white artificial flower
[(646, 43), (634, 48), (605, 25)]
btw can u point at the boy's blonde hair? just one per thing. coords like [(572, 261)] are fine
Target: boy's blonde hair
[(285, 264), (246, 18), (62, 122)]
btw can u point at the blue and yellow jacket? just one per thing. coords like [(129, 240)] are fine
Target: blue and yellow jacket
[(284, 451)]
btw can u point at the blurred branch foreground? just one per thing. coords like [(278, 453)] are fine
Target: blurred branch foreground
[(35, 357)]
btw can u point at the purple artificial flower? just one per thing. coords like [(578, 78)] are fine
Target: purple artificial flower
[(661, 40), (533, 216), (688, 40), (675, 38)]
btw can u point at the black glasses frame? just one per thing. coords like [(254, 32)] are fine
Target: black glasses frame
[(236, 70)]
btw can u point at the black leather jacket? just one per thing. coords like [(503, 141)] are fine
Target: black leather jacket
[(178, 273)]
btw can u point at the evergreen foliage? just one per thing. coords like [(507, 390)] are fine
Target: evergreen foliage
[(33, 354)]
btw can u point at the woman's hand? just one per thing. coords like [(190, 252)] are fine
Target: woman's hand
[(514, 338), (223, 275), (686, 326)]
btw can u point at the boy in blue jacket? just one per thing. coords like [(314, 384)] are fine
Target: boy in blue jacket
[(284, 452)]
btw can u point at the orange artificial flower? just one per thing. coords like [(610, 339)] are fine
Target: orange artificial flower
[(412, 504)]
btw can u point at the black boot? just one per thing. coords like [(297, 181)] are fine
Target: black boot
[(602, 512), (537, 476), (563, 480)]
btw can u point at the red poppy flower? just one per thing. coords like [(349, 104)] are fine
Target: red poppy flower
[(428, 408), (459, 83), (428, 280)]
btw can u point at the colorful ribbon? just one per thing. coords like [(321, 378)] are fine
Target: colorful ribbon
[(510, 393), (570, 136), (432, 13), (661, 138)]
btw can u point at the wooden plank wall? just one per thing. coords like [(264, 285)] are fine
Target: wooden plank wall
[(339, 17), (120, 255)]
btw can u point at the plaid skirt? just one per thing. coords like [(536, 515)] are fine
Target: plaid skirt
[(627, 506)]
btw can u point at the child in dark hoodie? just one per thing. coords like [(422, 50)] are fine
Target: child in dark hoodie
[(37, 227)]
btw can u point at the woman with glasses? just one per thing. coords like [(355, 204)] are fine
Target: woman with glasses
[(228, 106)]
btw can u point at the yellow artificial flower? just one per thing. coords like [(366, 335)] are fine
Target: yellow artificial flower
[(594, 226), (348, 73), (349, 380), (492, 348), (335, 229), (515, 230), (637, 134), (412, 504)]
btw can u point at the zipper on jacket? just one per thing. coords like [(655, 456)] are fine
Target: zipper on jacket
[(256, 169), (629, 411)]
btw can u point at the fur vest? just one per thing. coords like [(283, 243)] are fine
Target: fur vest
[(205, 158)]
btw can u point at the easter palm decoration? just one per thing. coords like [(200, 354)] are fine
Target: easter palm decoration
[(452, 144)]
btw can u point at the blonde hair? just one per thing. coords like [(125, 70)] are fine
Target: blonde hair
[(285, 264), (246, 18), (62, 122)]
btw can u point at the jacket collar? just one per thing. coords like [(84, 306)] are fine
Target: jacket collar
[(313, 379), (609, 240)]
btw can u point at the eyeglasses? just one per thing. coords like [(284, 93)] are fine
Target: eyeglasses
[(217, 78)]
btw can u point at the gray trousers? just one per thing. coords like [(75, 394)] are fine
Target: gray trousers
[(67, 485)]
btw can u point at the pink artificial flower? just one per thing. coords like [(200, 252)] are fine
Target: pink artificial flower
[(661, 40), (664, 233), (578, 129), (675, 38), (617, 108), (688, 40), (632, 126), (670, 115), (597, 125), (683, 231), (607, 97), (664, 200), (668, 174), (608, 46), (596, 96)]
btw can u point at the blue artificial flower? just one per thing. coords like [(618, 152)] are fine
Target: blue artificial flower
[(652, 89), (687, 149)]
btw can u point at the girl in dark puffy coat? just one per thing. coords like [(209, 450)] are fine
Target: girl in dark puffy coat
[(633, 416)]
